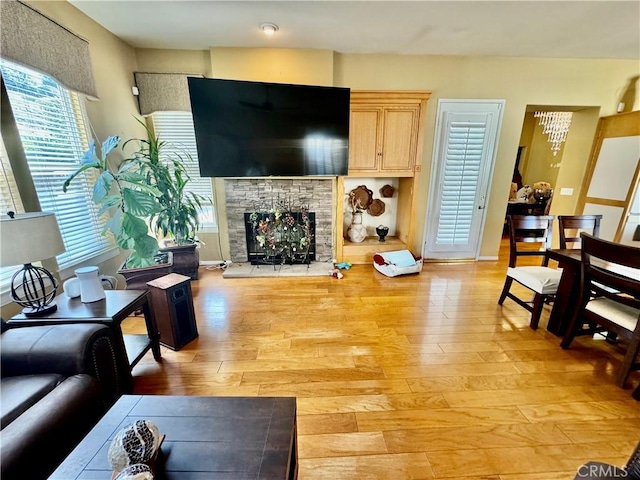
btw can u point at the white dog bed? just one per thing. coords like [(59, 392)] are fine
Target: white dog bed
[(400, 262)]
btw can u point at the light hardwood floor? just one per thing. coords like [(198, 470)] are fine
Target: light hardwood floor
[(415, 377)]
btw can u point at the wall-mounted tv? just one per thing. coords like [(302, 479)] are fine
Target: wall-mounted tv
[(256, 129)]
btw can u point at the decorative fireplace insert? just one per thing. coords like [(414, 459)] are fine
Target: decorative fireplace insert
[(280, 237)]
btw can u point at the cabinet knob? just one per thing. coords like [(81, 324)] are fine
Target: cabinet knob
[(379, 154)]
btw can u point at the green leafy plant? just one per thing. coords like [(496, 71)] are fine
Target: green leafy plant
[(129, 195), (177, 218)]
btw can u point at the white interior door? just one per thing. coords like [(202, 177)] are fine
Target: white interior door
[(463, 158)]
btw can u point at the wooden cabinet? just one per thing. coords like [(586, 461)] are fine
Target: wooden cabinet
[(385, 133), (385, 140), (173, 308)]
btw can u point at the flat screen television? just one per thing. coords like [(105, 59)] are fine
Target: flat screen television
[(257, 129)]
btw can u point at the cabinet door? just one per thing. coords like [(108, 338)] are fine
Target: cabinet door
[(364, 134), (400, 132)]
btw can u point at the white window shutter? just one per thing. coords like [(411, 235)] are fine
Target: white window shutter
[(464, 151)]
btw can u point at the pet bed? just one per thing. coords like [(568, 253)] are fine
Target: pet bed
[(400, 262)]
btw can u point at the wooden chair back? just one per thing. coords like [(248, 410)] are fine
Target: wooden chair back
[(591, 223), (610, 277), (526, 229), (603, 263)]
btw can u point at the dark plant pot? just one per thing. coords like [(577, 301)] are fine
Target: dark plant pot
[(137, 278), (186, 259)]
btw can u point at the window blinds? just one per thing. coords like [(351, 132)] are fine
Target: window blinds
[(51, 122), (176, 129), (465, 145)]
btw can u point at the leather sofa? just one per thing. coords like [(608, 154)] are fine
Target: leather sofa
[(57, 381)]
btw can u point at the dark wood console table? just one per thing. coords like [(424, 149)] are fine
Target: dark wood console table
[(206, 438), (118, 305)]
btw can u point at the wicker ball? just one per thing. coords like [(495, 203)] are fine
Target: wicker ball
[(136, 443), (138, 471)]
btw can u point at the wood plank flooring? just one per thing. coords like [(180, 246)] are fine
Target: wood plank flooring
[(415, 377)]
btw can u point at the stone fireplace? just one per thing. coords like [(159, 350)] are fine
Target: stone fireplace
[(247, 195)]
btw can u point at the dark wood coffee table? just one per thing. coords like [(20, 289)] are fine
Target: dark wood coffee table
[(207, 438)]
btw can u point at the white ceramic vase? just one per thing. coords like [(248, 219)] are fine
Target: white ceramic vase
[(356, 231), (90, 285)]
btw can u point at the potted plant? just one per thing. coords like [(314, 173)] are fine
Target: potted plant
[(177, 218), (128, 194)]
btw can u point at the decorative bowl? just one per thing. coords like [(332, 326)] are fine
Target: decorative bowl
[(382, 231)]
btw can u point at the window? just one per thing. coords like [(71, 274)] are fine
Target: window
[(176, 128), (53, 129)]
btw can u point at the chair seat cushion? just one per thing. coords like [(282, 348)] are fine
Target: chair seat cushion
[(621, 314), (542, 280), (20, 393)]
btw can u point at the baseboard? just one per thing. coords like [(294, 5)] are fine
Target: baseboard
[(488, 259)]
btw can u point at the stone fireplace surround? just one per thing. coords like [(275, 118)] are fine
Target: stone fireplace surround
[(243, 195)]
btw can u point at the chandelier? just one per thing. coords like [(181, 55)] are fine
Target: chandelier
[(555, 125)]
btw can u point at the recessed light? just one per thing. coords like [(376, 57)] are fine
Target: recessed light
[(269, 28)]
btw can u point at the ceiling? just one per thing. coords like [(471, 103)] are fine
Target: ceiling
[(560, 29)]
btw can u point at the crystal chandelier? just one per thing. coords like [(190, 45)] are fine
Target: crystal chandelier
[(555, 125)]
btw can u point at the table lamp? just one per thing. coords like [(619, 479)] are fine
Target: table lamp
[(26, 238)]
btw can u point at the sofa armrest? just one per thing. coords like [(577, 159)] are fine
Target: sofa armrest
[(67, 349)]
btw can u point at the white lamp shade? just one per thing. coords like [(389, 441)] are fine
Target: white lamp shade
[(29, 237)]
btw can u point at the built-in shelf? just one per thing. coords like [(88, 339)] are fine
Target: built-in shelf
[(363, 252), (385, 143)]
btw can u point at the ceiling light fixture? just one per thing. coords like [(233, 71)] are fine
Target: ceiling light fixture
[(269, 28), (556, 126)]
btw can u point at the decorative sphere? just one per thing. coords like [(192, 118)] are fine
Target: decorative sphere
[(33, 287), (138, 471), (135, 443)]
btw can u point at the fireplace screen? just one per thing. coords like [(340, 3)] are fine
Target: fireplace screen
[(280, 237)]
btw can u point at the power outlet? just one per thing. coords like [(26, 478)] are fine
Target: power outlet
[(566, 191)]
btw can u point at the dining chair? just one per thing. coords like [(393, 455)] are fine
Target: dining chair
[(542, 280), (611, 270), (591, 223)]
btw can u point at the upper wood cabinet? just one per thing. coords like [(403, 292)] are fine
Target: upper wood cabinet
[(385, 133)]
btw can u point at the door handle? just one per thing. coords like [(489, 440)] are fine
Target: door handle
[(480, 207)]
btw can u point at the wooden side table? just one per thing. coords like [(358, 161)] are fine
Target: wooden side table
[(173, 303), (111, 311)]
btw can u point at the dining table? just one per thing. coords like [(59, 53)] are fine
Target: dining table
[(569, 261), (567, 296)]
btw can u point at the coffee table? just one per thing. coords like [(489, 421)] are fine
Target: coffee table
[(207, 438)]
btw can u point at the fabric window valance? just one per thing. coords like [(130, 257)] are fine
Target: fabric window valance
[(34, 40), (163, 92)]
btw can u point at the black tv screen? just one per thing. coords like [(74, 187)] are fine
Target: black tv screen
[(256, 129)]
